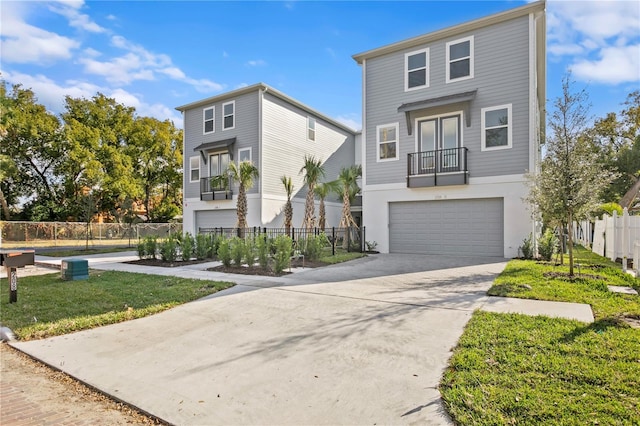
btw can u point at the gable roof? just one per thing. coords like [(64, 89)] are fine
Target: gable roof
[(266, 89), (538, 6)]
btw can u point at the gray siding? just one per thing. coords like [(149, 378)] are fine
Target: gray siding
[(501, 76), (246, 133), (285, 144)]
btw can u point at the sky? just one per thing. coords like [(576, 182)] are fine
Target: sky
[(157, 55)]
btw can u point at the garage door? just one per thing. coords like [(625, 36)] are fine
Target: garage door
[(456, 227), (216, 219)]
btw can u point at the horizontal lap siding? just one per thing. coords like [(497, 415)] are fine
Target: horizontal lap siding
[(501, 76), (285, 144)]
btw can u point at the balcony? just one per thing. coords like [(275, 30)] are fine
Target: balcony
[(441, 167), (216, 188)]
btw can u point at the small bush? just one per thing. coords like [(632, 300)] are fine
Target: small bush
[(262, 248), (169, 249), (527, 247), (151, 247), (249, 252), (313, 245), (224, 252), (548, 244), (371, 245), (203, 242), (142, 253), (188, 245), (282, 259), (237, 250)]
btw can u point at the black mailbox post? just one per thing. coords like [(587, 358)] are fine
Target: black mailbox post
[(13, 259)]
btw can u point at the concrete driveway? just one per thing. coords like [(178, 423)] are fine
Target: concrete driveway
[(358, 343)]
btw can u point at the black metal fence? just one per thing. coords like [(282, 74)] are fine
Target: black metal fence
[(351, 239)]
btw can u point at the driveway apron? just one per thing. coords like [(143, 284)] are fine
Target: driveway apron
[(358, 343)]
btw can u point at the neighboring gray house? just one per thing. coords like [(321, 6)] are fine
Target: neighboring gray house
[(260, 124), (451, 125)]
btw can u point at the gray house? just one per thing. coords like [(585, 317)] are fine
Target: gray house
[(260, 124), (451, 125)]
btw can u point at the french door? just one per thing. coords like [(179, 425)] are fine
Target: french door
[(438, 144), (218, 164)]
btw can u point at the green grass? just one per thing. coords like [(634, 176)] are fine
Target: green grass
[(81, 251), (340, 257), (516, 369), (49, 306)]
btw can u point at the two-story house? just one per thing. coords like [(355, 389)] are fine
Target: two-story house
[(451, 126), (274, 131)]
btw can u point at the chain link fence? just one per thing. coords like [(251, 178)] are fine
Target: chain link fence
[(79, 234)]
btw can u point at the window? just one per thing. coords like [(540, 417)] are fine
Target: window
[(244, 154), (460, 59), (438, 141), (218, 164), (229, 115), (416, 69), (194, 169), (311, 126), (209, 120), (496, 128), (387, 141)]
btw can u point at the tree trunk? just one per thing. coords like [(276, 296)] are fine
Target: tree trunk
[(242, 208), (570, 243), (322, 215), (309, 210), (630, 195), (5, 207)]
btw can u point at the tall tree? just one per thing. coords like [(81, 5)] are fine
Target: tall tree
[(288, 208), (570, 183), (347, 184), (313, 171), (243, 174), (322, 190)]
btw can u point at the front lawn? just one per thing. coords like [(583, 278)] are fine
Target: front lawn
[(49, 306), (516, 369)]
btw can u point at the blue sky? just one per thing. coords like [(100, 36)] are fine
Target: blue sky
[(156, 55)]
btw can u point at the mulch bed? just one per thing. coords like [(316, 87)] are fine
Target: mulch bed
[(160, 262), (258, 270)]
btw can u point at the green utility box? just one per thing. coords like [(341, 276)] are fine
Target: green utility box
[(75, 269)]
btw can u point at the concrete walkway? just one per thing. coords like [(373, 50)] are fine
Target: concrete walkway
[(357, 343)]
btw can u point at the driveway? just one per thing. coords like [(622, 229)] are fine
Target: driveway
[(358, 343)]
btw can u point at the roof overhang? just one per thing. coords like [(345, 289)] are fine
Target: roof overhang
[(425, 105), (215, 146)]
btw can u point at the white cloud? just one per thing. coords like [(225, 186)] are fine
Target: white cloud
[(350, 120), (600, 38), (256, 63), (71, 11), (23, 43), (615, 65)]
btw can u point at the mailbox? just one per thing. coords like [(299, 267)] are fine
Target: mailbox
[(13, 259)]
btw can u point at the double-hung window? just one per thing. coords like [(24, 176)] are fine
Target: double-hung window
[(460, 59), (416, 66), (387, 142), (496, 128), (208, 116), (311, 128), (228, 115), (194, 169)]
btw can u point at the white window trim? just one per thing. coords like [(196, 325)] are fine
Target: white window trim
[(233, 114), (406, 70), (448, 62), (197, 157), (378, 142), (437, 117), (315, 128), (213, 108), (483, 136), (250, 155)]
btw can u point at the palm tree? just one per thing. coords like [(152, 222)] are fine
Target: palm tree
[(322, 190), (288, 209), (347, 184), (313, 171), (244, 174)]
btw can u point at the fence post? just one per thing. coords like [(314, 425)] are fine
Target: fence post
[(363, 234), (348, 239), (333, 241), (625, 237)]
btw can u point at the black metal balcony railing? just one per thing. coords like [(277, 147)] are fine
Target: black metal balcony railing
[(215, 188), (440, 161)]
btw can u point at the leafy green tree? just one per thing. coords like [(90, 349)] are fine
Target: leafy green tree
[(322, 190), (288, 208), (570, 183), (243, 174), (347, 184), (313, 171)]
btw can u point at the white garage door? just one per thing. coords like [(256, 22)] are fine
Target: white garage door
[(455, 227), (216, 219)]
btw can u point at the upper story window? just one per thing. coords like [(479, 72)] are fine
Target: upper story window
[(416, 66), (387, 142), (311, 128), (208, 115), (229, 115), (460, 59), (194, 169), (496, 128), (244, 154)]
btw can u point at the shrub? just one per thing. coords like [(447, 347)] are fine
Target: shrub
[(169, 249), (249, 252), (202, 246), (224, 252), (313, 245), (142, 253), (609, 208), (237, 250), (262, 248), (371, 245), (548, 244), (187, 246), (282, 259), (527, 247), (151, 247)]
